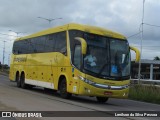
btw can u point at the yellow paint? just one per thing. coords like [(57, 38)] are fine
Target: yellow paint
[(83, 44), (48, 67), (137, 53)]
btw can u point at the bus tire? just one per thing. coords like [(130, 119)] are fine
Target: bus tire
[(22, 80), (17, 79), (28, 86), (102, 99), (63, 89)]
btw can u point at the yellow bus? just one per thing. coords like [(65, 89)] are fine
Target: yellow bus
[(74, 59)]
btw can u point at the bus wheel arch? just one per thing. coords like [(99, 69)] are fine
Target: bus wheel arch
[(62, 87)]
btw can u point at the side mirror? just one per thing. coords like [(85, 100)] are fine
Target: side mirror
[(83, 44), (137, 53)]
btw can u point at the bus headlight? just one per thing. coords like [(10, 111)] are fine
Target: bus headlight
[(86, 80)]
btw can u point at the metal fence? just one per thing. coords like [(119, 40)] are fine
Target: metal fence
[(145, 81)]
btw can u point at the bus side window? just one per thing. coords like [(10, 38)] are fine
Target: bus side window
[(40, 44), (77, 56), (50, 43), (15, 48), (19, 47), (61, 44)]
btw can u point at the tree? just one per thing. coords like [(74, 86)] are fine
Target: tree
[(156, 58)]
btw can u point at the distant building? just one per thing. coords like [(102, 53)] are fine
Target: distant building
[(150, 69)]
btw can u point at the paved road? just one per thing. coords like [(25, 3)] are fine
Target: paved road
[(36, 99)]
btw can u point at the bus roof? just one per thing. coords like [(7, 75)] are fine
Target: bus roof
[(74, 26)]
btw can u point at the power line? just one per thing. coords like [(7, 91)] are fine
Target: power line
[(140, 31), (134, 34), (151, 25)]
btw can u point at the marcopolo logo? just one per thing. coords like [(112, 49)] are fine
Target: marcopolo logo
[(20, 59)]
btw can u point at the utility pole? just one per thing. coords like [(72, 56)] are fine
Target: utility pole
[(8, 59), (3, 55), (139, 70)]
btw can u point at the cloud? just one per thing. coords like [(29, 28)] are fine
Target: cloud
[(124, 16)]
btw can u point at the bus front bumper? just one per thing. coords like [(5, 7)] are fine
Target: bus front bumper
[(101, 90)]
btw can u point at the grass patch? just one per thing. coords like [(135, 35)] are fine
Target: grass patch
[(146, 93), (5, 71)]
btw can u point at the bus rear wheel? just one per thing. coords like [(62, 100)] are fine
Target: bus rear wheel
[(17, 79), (22, 80), (63, 89), (102, 99)]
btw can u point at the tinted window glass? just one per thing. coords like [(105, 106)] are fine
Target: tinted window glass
[(20, 47), (72, 35), (15, 48), (60, 42), (77, 56), (50, 43), (40, 44), (32, 45), (23, 47)]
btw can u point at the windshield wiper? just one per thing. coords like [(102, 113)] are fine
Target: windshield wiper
[(103, 67), (119, 67)]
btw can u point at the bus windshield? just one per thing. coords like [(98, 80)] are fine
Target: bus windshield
[(107, 57)]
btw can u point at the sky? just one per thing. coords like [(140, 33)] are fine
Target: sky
[(123, 16)]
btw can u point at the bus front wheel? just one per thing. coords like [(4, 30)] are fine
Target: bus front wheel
[(63, 89), (102, 99)]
